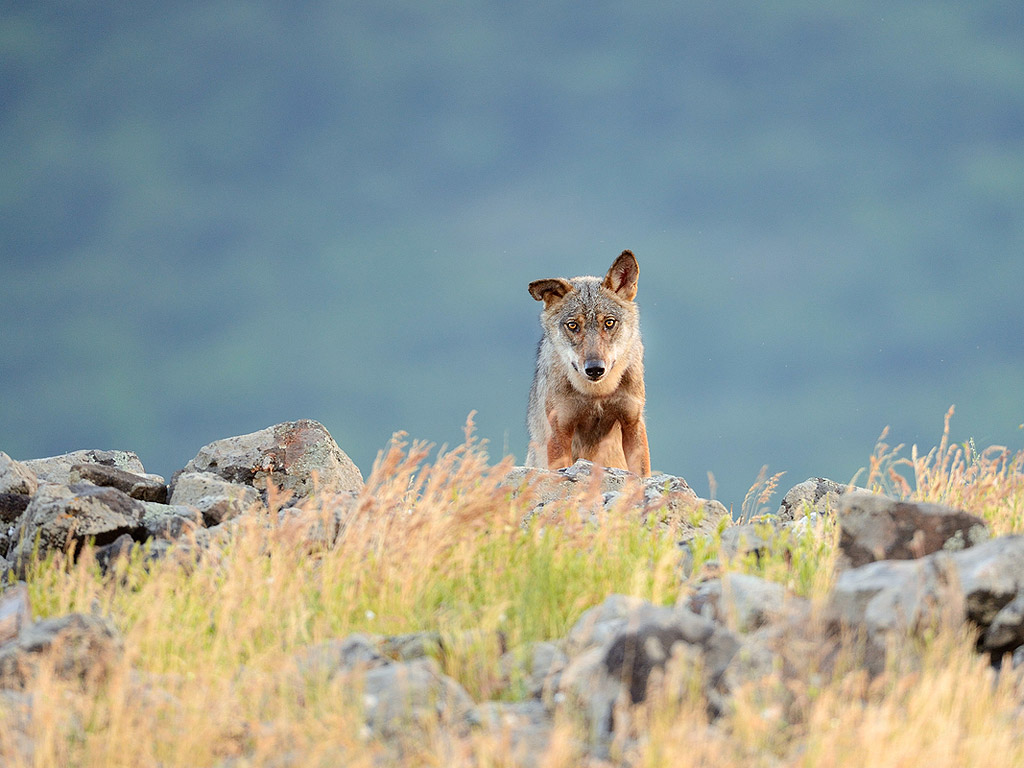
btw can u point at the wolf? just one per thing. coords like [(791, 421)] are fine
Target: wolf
[(587, 398)]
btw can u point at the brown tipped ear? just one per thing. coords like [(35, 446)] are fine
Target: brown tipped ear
[(549, 291), (622, 276)]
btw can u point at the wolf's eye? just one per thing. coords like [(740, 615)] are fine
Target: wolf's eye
[(573, 326), (609, 322)]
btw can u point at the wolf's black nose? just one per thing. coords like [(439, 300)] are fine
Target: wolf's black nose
[(594, 369)]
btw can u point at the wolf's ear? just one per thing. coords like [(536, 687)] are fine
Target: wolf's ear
[(622, 276), (549, 291)]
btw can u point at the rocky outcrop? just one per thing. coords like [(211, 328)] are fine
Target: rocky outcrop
[(216, 499), (665, 498), (814, 496), (57, 469), (63, 517), (106, 497), (904, 568), (139, 486), (874, 527), (983, 584), (297, 456), (16, 478), (622, 649), (399, 698)]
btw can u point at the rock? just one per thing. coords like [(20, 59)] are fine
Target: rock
[(124, 546), (13, 506), (15, 477), (875, 527), (79, 646), (338, 657), (216, 499), (669, 499), (522, 728), (412, 645), (991, 579), (65, 517), (15, 612), (598, 625), (982, 584), (602, 682), (814, 496), (119, 547), (141, 487), (745, 538), (298, 456), (738, 601), (317, 528), (796, 645), (538, 666), (170, 521), (57, 469), (543, 486), (408, 696)]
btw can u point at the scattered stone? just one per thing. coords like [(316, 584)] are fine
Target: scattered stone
[(122, 547), (598, 625), (78, 646), (335, 657), (980, 584), (875, 527), (538, 666), (523, 728), (15, 477), (738, 601), (141, 487), (298, 456), (13, 506), (991, 578), (64, 517), (669, 499), (814, 496), (412, 695), (603, 681), (15, 612), (732, 630), (412, 645), (744, 539), (170, 521), (57, 469), (216, 499), (317, 527)]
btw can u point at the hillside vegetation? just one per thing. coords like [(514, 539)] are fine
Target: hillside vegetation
[(209, 672)]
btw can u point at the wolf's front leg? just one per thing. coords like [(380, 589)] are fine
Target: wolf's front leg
[(559, 443), (634, 445)]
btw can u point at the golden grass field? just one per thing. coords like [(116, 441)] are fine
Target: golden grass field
[(207, 677)]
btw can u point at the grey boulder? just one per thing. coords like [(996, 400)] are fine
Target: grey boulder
[(298, 456)]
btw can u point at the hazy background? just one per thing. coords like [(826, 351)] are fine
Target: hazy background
[(219, 216)]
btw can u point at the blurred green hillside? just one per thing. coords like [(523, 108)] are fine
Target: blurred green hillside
[(220, 216)]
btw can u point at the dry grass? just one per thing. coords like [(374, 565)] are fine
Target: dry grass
[(987, 482), (208, 675)]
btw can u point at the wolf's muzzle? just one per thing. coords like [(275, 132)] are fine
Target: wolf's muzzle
[(594, 369)]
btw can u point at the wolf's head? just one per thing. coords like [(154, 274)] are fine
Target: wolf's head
[(592, 324)]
